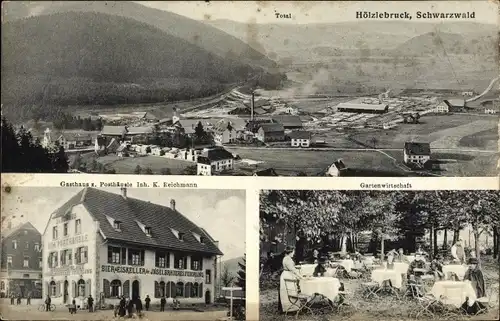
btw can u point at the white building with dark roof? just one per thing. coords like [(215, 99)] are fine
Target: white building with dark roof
[(300, 138), (109, 245), (214, 160), (417, 153)]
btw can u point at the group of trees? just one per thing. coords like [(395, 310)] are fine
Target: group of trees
[(21, 153), (67, 121), (178, 139), (343, 217)]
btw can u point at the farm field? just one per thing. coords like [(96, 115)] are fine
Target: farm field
[(127, 165), (288, 162), (444, 131)]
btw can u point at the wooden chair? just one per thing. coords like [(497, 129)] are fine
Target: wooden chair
[(425, 306), (296, 298), (486, 302), (370, 288)]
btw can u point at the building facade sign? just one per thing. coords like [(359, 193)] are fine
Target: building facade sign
[(154, 271), (74, 240), (68, 270)]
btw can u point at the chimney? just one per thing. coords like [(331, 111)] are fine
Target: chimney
[(252, 102), (172, 204), (124, 192)]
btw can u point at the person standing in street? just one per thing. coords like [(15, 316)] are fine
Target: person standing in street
[(28, 300), (47, 304), (73, 306), (163, 301), (90, 302), (12, 299), (148, 301), (138, 305), (19, 299)]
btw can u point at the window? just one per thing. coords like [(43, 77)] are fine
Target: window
[(162, 259), (194, 290), (202, 240), (180, 262), (26, 276), (115, 288), (208, 277), (135, 257), (37, 247), (81, 288), (179, 289), (78, 226), (27, 245), (160, 289), (181, 236), (54, 233), (196, 263), (26, 262), (147, 229), (14, 244), (53, 259), (81, 255), (9, 261), (53, 288), (170, 290), (117, 225), (40, 263), (66, 257), (187, 289), (65, 229), (117, 255), (2, 285)]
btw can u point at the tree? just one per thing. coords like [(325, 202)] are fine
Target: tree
[(190, 170), (241, 277), (166, 171), (148, 171), (226, 278), (137, 169), (199, 132), (148, 150)]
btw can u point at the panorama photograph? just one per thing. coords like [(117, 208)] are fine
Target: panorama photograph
[(251, 88)]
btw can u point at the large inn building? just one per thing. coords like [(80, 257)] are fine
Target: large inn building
[(108, 245)]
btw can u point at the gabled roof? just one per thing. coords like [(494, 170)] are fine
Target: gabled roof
[(417, 148), (214, 154), (11, 232), (272, 127), (455, 102), (113, 130), (265, 172), (162, 219), (77, 136), (139, 130), (339, 164), (300, 134), (288, 120)]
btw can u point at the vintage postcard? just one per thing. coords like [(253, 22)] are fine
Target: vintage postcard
[(112, 253), (251, 88)]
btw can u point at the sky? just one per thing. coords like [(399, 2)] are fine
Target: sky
[(217, 211), (318, 11)]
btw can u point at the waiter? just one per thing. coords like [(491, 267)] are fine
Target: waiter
[(458, 252)]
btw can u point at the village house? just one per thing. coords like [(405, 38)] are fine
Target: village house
[(224, 133), (289, 122), (417, 153), (214, 160), (291, 110), (21, 262), (269, 132), (300, 138), (109, 245), (492, 110), (337, 169), (451, 105)]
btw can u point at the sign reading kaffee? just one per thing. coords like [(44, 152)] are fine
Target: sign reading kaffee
[(78, 239)]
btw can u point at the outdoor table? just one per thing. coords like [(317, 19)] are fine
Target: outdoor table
[(410, 258), (347, 264), (380, 275), (368, 260), (306, 269), (458, 269), (401, 267), (326, 286), (454, 292)]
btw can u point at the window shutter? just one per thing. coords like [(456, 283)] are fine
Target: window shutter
[(185, 262), (75, 289), (124, 256), (126, 288), (187, 290), (200, 292), (88, 290), (58, 289), (106, 286), (201, 264), (157, 289)]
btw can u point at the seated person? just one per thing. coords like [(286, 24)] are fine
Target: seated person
[(320, 269), (417, 263), (414, 286), (437, 268), (475, 276)]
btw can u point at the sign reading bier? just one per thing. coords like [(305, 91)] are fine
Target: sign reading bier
[(145, 271), (74, 240)]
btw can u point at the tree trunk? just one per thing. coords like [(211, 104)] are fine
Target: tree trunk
[(445, 239), (435, 245), (456, 235), (382, 247), (476, 245), (495, 242), (431, 236), (343, 248)]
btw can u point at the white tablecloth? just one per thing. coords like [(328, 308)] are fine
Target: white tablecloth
[(401, 267), (307, 269), (380, 275), (327, 286), (410, 258), (458, 269), (347, 264), (454, 292)]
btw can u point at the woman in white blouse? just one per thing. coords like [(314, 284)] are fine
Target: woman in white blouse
[(289, 272)]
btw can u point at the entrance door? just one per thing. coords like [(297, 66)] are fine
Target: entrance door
[(66, 285), (207, 297), (135, 290)]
